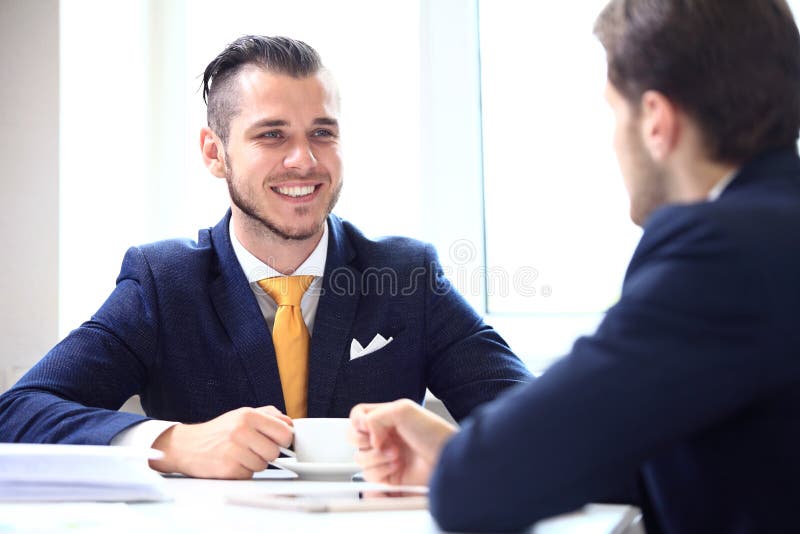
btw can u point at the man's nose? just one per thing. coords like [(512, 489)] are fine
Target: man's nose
[(300, 157)]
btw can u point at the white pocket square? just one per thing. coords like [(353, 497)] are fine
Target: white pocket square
[(377, 343)]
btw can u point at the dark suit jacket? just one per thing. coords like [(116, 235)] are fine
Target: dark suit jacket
[(183, 329), (685, 401)]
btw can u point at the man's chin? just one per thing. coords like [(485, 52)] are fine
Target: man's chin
[(301, 224), (297, 236), (299, 233)]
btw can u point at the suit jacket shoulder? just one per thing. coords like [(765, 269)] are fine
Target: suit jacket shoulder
[(397, 251), (395, 287)]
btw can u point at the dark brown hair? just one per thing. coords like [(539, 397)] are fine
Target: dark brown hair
[(733, 65), (280, 55)]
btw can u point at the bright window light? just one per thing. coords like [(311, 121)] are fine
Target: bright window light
[(557, 229)]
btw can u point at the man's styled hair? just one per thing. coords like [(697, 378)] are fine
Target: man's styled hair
[(733, 65), (279, 55)]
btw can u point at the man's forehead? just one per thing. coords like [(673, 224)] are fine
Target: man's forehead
[(258, 80), (271, 100), (265, 96)]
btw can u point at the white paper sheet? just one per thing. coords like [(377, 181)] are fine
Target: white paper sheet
[(34, 472)]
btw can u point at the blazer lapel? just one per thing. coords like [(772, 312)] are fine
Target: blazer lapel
[(333, 323), (238, 310)]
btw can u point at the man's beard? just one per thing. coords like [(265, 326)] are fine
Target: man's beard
[(248, 207), (650, 180)]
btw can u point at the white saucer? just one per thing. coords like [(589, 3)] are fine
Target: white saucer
[(318, 470)]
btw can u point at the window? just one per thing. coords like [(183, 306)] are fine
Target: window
[(555, 202), (539, 238), (558, 235)]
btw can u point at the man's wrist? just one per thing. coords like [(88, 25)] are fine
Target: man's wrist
[(164, 443)]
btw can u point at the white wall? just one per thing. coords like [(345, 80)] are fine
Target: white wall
[(113, 143), (28, 184)]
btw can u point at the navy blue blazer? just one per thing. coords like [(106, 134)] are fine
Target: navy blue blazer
[(183, 330), (686, 401)]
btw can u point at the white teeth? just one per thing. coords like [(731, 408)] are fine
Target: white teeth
[(295, 191)]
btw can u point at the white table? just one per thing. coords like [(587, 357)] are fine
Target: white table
[(199, 506)]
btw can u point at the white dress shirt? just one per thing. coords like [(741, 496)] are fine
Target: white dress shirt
[(255, 270), (145, 434), (720, 186)]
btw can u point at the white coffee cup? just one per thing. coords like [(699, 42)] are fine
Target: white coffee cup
[(323, 440)]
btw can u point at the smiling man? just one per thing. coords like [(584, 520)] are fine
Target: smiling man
[(275, 313)]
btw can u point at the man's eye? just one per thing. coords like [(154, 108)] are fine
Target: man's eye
[(271, 135), (323, 133)]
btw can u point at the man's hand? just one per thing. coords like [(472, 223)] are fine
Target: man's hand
[(234, 445), (399, 442)]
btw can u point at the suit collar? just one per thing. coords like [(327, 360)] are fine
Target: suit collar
[(772, 166), (340, 249)]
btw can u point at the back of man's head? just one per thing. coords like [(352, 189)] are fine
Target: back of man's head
[(732, 65), (279, 55)]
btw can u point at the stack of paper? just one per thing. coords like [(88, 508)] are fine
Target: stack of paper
[(78, 473)]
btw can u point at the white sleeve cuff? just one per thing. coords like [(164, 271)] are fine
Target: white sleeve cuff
[(143, 434)]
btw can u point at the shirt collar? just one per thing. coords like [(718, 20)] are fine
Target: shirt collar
[(256, 270), (720, 186)]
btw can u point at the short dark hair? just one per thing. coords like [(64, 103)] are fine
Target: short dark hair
[(280, 55), (733, 65)]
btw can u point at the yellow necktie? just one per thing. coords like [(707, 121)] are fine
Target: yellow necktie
[(291, 339)]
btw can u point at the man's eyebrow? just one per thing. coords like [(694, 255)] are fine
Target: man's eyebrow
[(326, 121), (273, 123), (269, 123)]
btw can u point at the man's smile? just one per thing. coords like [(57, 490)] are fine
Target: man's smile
[(297, 192)]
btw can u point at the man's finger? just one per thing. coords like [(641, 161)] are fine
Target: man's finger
[(274, 412), (276, 429), (359, 413), (358, 438), (371, 458), (252, 461), (264, 447), (384, 472)]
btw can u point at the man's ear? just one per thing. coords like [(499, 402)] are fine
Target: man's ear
[(660, 127), (213, 152)]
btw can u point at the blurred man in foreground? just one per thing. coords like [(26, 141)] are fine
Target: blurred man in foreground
[(686, 401)]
